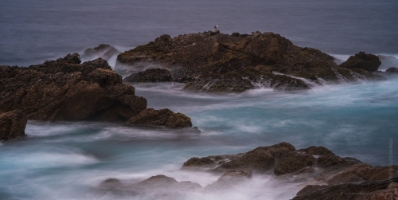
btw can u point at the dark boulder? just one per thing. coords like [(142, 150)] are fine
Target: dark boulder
[(150, 75), (163, 117), (12, 124), (361, 60), (392, 70)]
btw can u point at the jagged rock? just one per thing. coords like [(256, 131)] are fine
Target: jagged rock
[(103, 51), (363, 172), (237, 62), (12, 124), (150, 75), (368, 190), (281, 158), (361, 60), (229, 179), (163, 117), (64, 89), (393, 70), (292, 162)]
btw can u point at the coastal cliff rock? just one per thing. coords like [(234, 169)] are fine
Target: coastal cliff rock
[(363, 61), (150, 75), (12, 124), (65, 89), (237, 62), (229, 179)]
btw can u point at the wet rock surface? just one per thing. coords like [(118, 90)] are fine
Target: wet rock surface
[(12, 125), (361, 60), (150, 75), (66, 89), (163, 117), (344, 178), (234, 63)]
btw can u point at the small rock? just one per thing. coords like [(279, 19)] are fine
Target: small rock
[(12, 124)]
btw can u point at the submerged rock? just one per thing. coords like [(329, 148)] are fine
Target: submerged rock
[(65, 89), (229, 179), (237, 62), (163, 117), (157, 186), (280, 159), (150, 75), (361, 60), (12, 124), (392, 70)]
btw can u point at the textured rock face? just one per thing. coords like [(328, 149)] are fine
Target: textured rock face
[(234, 63), (67, 90), (64, 89), (150, 75), (370, 190), (363, 61), (12, 124), (281, 158), (163, 117)]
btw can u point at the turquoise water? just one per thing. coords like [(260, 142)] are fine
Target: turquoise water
[(64, 160)]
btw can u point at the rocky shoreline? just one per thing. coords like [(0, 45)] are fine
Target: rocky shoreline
[(324, 175), (68, 90)]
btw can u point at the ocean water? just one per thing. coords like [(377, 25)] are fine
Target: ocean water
[(65, 160)]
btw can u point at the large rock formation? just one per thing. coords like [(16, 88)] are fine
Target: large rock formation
[(336, 177), (64, 89), (12, 124), (222, 62), (281, 159)]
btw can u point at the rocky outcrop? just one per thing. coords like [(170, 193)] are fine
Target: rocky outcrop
[(392, 70), (280, 159), (237, 62), (12, 124), (337, 178), (103, 51), (150, 75), (163, 117), (229, 179), (65, 89), (361, 60), (369, 190), (157, 186)]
